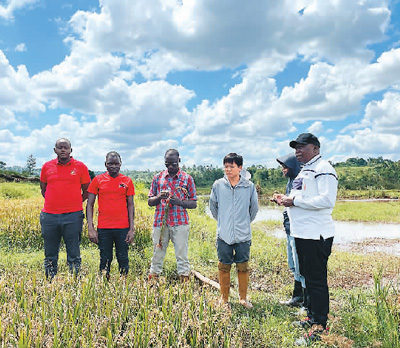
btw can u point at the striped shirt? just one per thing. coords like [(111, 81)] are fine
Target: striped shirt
[(314, 195), (182, 186)]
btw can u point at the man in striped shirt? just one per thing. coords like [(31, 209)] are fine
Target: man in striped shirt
[(172, 192), (310, 204)]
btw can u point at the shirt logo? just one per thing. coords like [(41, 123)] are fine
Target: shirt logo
[(122, 185), (73, 172), (297, 184)]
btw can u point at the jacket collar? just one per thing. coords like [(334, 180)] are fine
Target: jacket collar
[(242, 181), (312, 160)]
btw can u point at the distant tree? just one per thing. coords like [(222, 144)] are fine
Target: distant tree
[(30, 164), (2, 165), (91, 174)]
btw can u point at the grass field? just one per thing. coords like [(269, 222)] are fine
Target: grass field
[(91, 312)]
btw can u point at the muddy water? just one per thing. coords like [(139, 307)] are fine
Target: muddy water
[(356, 236), (368, 237)]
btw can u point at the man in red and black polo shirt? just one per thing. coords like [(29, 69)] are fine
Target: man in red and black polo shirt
[(116, 214), (63, 182), (172, 192)]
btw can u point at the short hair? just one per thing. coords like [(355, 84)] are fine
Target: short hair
[(113, 154), (233, 158), (64, 139), (172, 152)]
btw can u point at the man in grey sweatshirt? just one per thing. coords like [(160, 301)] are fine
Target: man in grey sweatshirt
[(234, 204)]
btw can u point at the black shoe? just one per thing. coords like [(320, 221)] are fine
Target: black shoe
[(293, 302), (313, 336)]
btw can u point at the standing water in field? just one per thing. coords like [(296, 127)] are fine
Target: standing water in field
[(383, 237), (367, 236)]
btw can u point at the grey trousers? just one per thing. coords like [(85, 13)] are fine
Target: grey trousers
[(179, 235), (69, 227)]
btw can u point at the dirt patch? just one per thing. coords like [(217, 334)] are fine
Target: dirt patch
[(373, 245)]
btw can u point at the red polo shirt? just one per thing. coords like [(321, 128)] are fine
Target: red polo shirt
[(112, 192), (63, 190)]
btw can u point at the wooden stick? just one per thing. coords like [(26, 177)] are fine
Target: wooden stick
[(206, 280)]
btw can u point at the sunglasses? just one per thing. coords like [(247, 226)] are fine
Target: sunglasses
[(171, 164)]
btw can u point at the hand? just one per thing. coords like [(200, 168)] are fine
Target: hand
[(176, 201), (93, 235), (130, 237), (277, 198), (287, 201), (164, 194)]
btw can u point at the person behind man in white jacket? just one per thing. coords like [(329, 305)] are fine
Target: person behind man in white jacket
[(234, 204), (310, 204)]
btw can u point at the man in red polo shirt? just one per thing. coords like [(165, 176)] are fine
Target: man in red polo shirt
[(116, 214), (63, 182)]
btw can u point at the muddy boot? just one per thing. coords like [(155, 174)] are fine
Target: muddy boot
[(243, 280), (224, 273), (183, 278), (297, 297)]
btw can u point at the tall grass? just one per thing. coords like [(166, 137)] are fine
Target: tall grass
[(367, 211), (89, 311)]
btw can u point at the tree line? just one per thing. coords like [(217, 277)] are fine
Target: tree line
[(354, 174)]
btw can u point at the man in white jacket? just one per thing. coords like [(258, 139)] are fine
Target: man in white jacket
[(310, 204)]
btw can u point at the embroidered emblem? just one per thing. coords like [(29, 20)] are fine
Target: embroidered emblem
[(297, 183), (122, 185), (73, 172)]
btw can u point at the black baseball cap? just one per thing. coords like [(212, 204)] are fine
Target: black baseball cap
[(305, 139)]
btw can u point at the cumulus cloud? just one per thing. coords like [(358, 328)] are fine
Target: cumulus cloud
[(18, 92), (384, 115), (7, 11), (209, 35), (113, 92), (316, 128)]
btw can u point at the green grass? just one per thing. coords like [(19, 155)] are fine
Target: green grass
[(91, 312), (10, 190), (387, 212)]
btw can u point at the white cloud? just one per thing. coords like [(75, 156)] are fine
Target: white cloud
[(7, 11), (18, 92), (21, 47), (107, 109), (384, 116), (7, 117), (209, 35), (316, 128), (366, 143)]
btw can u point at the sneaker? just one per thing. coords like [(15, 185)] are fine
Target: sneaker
[(312, 336), (305, 323), (293, 302)]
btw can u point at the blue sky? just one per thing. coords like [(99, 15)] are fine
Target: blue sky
[(205, 77)]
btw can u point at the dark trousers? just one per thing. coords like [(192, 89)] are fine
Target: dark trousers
[(313, 261), (107, 238), (69, 227)]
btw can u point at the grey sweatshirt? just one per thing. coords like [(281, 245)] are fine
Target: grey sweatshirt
[(234, 208)]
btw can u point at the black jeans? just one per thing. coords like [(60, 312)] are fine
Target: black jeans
[(313, 261), (107, 238), (69, 227)]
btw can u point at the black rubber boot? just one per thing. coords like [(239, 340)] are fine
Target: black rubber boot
[(297, 297), (305, 299), (298, 289)]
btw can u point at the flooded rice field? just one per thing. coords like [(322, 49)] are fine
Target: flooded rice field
[(352, 236)]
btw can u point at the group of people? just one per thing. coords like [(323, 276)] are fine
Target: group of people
[(309, 199)]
